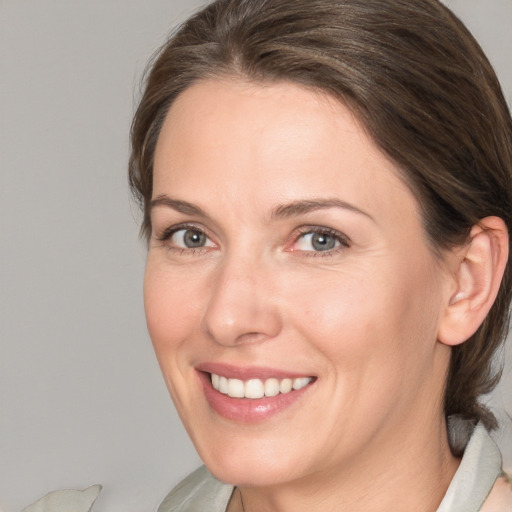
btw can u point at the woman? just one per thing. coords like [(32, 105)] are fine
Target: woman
[(327, 197)]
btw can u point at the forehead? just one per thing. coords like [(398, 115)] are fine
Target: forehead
[(273, 142)]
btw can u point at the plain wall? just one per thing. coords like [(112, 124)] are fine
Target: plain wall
[(81, 397)]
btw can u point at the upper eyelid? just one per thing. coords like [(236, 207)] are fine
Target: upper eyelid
[(171, 230), (305, 230), (164, 239)]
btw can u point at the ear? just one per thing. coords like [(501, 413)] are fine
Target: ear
[(478, 270)]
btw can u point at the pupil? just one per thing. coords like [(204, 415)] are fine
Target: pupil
[(194, 239), (322, 242)]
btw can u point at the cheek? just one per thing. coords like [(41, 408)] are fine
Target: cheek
[(361, 318), (171, 308), (375, 337)]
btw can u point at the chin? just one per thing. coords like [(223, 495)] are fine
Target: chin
[(251, 464), (251, 475)]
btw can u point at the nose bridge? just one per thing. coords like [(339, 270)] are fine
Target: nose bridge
[(241, 305)]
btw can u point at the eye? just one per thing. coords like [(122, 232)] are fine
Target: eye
[(320, 240), (190, 238), (185, 238)]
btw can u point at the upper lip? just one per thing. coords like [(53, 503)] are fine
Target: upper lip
[(248, 372)]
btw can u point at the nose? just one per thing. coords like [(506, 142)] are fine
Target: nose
[(242, 306)]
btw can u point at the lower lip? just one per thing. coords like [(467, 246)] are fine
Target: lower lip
[(247, 410)]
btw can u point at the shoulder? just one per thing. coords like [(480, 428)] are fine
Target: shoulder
[(198, 492)]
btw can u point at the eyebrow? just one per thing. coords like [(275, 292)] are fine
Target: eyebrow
[(283, 211), (180, 206), (302, 207)]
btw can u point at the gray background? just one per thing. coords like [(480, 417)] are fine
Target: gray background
[(81, 397)]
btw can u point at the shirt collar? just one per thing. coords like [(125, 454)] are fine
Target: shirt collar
[(479, 468)]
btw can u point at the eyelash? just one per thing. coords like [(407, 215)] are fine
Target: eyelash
[(344, 241), (168, 233)]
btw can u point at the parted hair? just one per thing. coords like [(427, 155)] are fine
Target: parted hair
[(418, 82)]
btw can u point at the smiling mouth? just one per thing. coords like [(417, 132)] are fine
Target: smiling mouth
[(257, 388)]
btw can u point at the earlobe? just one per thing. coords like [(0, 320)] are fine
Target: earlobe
[(478, 274)]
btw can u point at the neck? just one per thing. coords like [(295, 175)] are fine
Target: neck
[(411, 475)]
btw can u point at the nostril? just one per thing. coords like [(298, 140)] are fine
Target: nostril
[(252, 337), (245, 329)]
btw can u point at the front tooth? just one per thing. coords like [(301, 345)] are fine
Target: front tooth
[(223, 385), (254, 389), (300, 382), (235, 388), (286, 386), (271, 387)]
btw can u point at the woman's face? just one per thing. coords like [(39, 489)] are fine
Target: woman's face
[(284, 247)]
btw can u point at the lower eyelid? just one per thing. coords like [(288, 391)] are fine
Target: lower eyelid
[(183, 230), (342, 241)]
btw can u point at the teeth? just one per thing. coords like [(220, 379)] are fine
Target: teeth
[(257, 388), (300, 382), (286, 385), (254, 389), (223, 385), (271, 387), (236, 388)]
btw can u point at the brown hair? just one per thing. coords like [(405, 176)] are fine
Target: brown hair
[(415, 78)]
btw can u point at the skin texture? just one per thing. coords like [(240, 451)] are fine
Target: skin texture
[(362, 318)]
